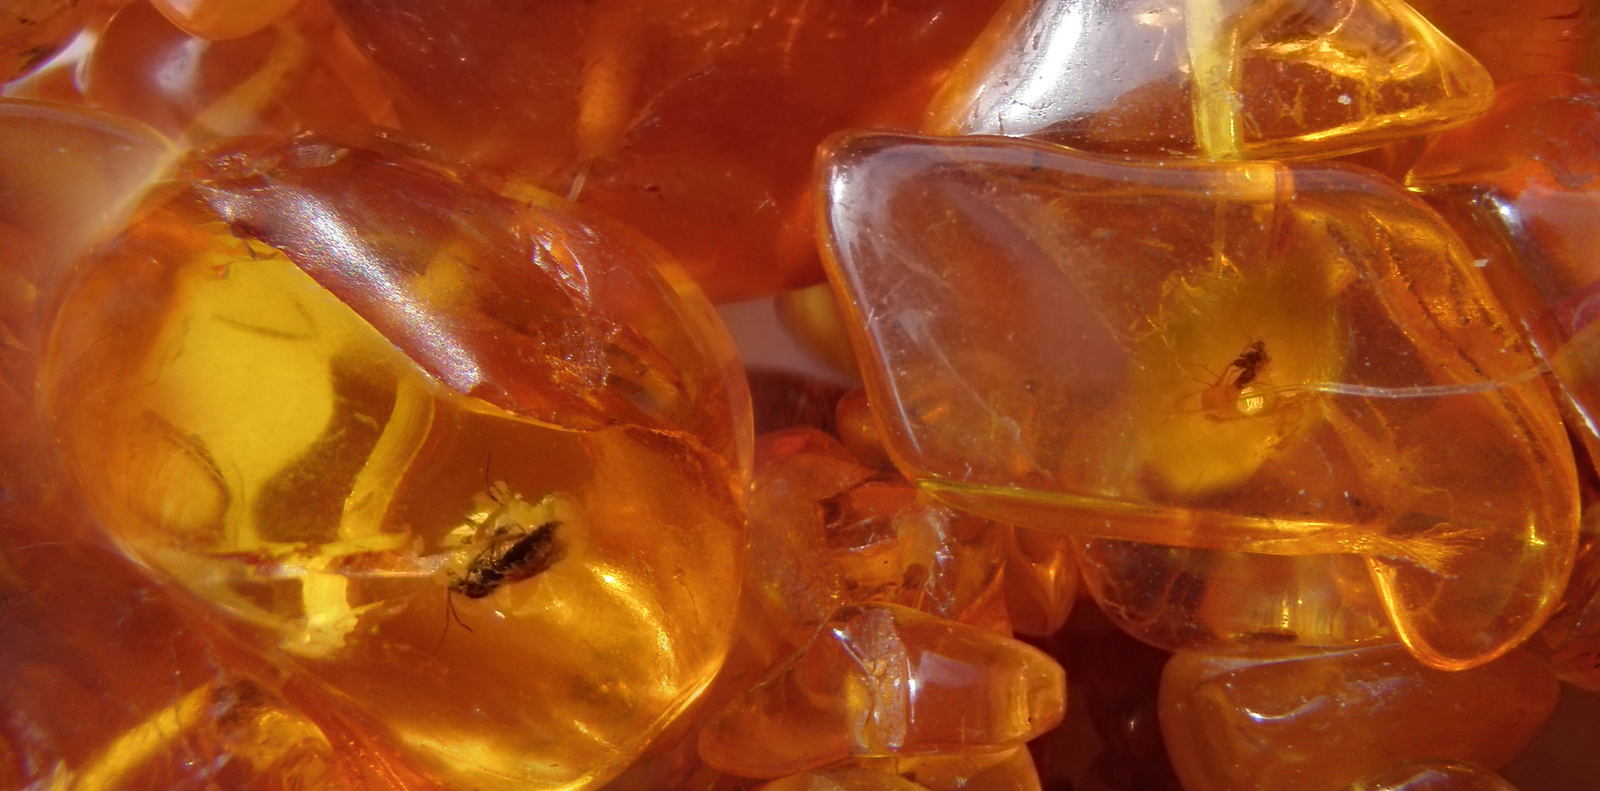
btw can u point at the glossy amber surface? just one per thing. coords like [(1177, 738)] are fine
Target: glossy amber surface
[(885, 680), (1433, 776), (33, 30), (223, 19), (1224, 79), (348, 442), (1282, 361), (300, 72), (1324, 721), (1516, 39), (694, 122)]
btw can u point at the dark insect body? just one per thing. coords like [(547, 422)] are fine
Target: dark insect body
[(511, 556), (1249, 364)]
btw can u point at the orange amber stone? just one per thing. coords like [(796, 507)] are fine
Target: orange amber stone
[(220, 19), (1008, 771), (1243, 357), (1320, 722), (694, 122), (1223, 79), (826, 532), (1433, 776), (885, 680), (1041, 581), (1516, 184), (299, 73), (1515, 39), (347, 400), (33, 30), (842, 780)]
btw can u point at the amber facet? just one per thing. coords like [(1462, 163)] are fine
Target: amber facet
[(1432, 776), (304, 401), (694, 122), (1320, 722), (885, 680), (1240, 357), (1224, 79)]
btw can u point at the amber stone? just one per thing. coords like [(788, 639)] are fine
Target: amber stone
[(842, 780), (1515, 39), (882, 680), (222, 19), (1320, 722), (1012, 770), (1217, 78), (1041, 581), (33, 30), (349, 421), (694, 122), (827, 532), (299, 73), (813, 316), (1241, 357), (1516, 185), (1433, 776)]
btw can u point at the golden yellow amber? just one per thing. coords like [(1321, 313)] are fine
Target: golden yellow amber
[(224, 387), (1242, 357)]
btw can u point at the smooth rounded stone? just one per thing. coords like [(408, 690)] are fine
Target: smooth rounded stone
[(1518, 185), (1222, 79), (224, 19), (694, 122), (882, 680), (31, 31), (1239, 357), (1433, 776), (351, 402), (1012, 770), (842, 780), (299, 73), (1319, 722), (826, 532), (1041, 581), (1515, 40)]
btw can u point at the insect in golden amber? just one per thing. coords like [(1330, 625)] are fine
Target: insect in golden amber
[(511, 542), (1234, 394)]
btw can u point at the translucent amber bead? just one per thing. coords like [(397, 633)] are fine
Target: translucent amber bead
[(1433, 776), (1219, 78), (1041, 581), (1239, 357), (842, 780), (1516, 184), (885, 680), (694, 122), (350, 401), (222, 19), (1515, 39), (33, 30), (1008, 771), (299, 73), (826, 532), (1321, 722)]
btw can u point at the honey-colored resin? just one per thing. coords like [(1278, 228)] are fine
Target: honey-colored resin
[(1239, 357), (1515, 39), (1433, 776), (826, 532), (1225, 79), (301, 72), (33, 30), (885, 680), (299, 398), (1320, 722), (694, 122), (223, 19)]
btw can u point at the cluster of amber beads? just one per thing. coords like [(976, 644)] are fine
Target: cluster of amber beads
[(367, 427)]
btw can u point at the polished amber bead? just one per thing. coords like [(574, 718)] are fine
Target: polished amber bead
[(223, 19), (348, 420), (694, 122), (885, 680), (1238, 357), (299, 73), (827, 532), (33, 30), (1432, 776), (1320, 722), (1515, 39), (1218, 78)]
